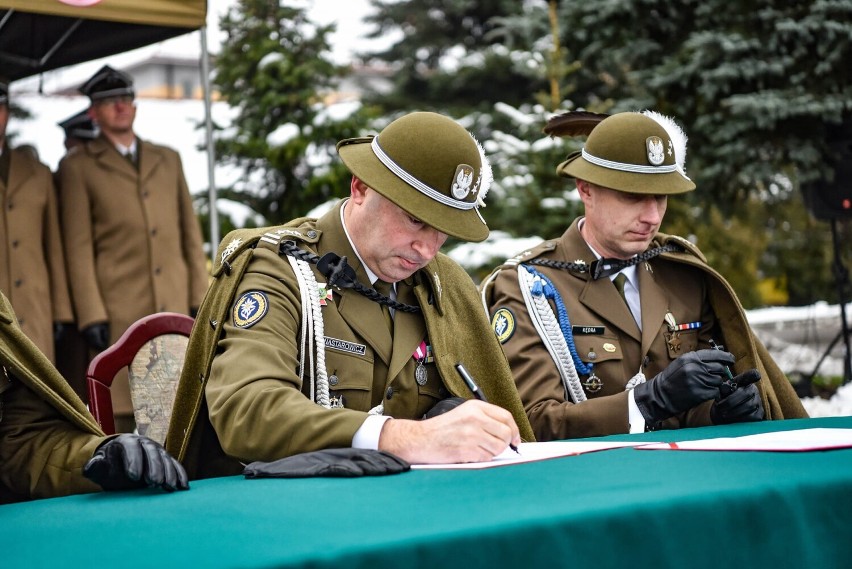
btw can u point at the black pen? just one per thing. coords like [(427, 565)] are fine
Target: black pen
[(468, 379)]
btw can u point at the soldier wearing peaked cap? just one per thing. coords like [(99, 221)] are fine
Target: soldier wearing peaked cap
[(78, 129), (32, 266), (72, 352), (308, 354), (611, 327), (132, 238)]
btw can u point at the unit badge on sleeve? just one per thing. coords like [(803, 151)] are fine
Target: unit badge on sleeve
[(503, 323), (250, 309)]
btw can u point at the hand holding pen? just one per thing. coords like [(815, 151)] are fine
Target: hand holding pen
[(729, 385), (477, 393)]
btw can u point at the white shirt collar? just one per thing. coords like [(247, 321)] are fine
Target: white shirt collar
[(370, 274), (629, 272), (125, 149)]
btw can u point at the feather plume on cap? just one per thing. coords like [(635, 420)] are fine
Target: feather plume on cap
[(573, 123), (486, 176), (676, 134)]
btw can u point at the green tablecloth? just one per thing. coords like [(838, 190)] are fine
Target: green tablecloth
[(615, 508)]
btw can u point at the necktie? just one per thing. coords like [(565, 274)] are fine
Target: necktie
[(619, 281), (385, 289), (130, 158)]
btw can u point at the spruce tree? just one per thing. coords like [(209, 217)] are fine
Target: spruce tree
[(274, 69)]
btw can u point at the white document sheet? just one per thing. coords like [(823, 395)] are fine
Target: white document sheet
[(783, 441), (529, 452)]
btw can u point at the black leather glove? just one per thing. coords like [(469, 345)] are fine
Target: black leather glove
[(97, 336), (691, 379), (739, 402), (131, 461), (335, 462), (443, 406)]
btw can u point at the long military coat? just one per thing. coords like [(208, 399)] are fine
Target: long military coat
[(46, 433), (132, 240), (32, 266), (606, 335), (257, 405)]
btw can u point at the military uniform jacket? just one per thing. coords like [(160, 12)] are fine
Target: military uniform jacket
[(255, 401), (32, 267), (46, 433), (132, 240), (606, 335)]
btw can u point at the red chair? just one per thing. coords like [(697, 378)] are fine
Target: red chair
[(152, 350)]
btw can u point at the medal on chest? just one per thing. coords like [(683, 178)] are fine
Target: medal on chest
[(422, 355), (593, 383)]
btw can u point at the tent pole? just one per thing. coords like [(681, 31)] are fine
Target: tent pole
[(211, 154)]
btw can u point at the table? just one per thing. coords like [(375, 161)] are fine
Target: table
[(615, 508)]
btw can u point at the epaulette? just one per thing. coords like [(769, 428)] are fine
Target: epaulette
[(239, 240), (665, 239)]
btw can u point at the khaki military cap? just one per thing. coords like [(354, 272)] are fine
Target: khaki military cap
[(428, 165), (634, 153)]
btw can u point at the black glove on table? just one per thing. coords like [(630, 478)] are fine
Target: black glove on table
[(443, 406), (740, 405), (97, 336), (131, 461), (688, 381), (335, 462)]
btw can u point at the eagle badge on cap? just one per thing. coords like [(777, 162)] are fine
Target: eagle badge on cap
[(656, 152), (250, 309), (462, 181)]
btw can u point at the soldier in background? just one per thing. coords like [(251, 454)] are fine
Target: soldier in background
[(132, 240), (79, 129), (32, 267), (72, 353)]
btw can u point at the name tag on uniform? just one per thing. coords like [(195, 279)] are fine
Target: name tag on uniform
[(344, 346), (588, 330)]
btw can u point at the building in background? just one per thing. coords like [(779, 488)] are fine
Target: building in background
[(159, 77)]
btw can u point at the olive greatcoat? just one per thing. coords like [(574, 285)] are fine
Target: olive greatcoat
[(133, 245), (606, 335), (32, 266), (254, 400), (46, 433)]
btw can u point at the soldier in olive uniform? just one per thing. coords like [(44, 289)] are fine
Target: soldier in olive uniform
[(132, 240), (595, 353), (49, 443), (308, 354), (32, 267)]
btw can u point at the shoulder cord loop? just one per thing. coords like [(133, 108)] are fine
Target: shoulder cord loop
[(312, 330), (536, 289), (607, 267), (341, 275)]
